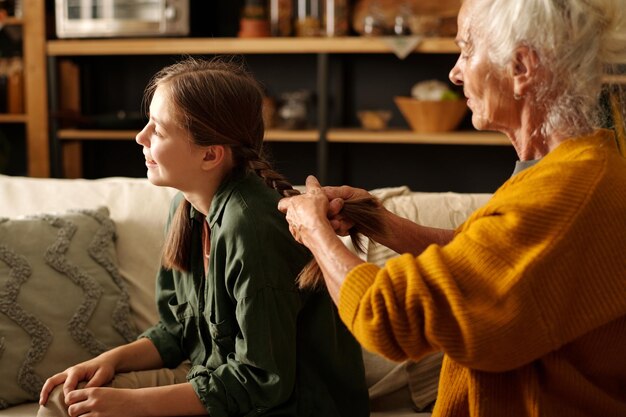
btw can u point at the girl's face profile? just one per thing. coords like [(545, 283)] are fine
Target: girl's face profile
[(171, 158)]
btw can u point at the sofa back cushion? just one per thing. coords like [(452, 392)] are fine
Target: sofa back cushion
[(138, 209)]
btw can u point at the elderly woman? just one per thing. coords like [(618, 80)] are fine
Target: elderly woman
[(527, 299)]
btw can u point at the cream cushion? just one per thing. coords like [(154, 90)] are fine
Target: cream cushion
[(138, 208)]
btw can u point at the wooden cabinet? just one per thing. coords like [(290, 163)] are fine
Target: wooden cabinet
[(35, 116)]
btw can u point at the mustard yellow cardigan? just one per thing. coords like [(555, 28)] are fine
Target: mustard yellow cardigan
[(528, 301)]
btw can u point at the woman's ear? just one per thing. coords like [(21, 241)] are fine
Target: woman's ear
[(525, 70), (213, 156)]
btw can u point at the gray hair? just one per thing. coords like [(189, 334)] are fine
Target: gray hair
[(578, 41)]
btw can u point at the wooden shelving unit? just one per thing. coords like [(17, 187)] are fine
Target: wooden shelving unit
[(35, 117), (37, 50), (70, 139)]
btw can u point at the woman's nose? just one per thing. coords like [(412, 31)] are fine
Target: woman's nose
[(455, 75)]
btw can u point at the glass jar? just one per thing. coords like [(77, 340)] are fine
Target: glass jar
[(308, 22), (281, 17), (254, 22), (336, 18)]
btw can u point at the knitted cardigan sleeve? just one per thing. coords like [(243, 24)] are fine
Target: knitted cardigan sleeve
[(520, 279)]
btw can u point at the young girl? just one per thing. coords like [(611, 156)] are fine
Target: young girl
[(250, 343)]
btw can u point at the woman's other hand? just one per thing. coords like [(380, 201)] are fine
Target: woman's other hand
[(306, 213), (336, 197)]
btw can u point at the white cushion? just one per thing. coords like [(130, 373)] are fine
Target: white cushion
[(138, 208)]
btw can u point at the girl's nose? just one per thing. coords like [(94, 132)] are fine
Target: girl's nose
[(141, 137)]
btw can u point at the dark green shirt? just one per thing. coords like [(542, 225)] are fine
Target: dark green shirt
[(258, 345)]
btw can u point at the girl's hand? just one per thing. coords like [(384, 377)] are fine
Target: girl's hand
[(95, 372), (102, 402)]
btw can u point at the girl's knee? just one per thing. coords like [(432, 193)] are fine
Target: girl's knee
[(55, 406)]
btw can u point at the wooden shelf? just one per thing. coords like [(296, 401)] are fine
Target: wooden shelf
[(278, 135), (270, 136), (410, 137), (334, 135), (294, 45), (614, 79), (12, 21), (13, 118), (85, 134)]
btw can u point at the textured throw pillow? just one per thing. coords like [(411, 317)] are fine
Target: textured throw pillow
[(62, 299)]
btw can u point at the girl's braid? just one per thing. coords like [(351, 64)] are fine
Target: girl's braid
[(273, 179), (365, 213)]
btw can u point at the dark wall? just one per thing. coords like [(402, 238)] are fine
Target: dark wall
[(12, 149)]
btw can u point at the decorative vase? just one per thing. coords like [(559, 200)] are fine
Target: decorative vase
[(254, 22)]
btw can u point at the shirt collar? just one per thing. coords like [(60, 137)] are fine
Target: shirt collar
[(222, 196), (522, 165)]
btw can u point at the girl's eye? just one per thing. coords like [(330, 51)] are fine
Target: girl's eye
[(157, 133)]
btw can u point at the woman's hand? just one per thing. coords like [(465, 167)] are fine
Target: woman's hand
[(336, 197), (95, 372), (307, 213)]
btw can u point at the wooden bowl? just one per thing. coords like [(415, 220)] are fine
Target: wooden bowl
[(431, 116), (374, 119)]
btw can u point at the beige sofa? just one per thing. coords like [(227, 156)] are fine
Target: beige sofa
[(138, 210)]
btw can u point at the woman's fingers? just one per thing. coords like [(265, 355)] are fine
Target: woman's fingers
[(294, 233), (312, 185), (298, 208), (341, 226), (334, 207)]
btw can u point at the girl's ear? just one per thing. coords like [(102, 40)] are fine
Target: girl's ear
[(525, 70), (213, 156)]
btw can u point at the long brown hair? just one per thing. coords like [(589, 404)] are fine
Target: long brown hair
[(218, 103)]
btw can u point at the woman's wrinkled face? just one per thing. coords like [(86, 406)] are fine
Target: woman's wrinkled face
[(171, 158), (489, 89)]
